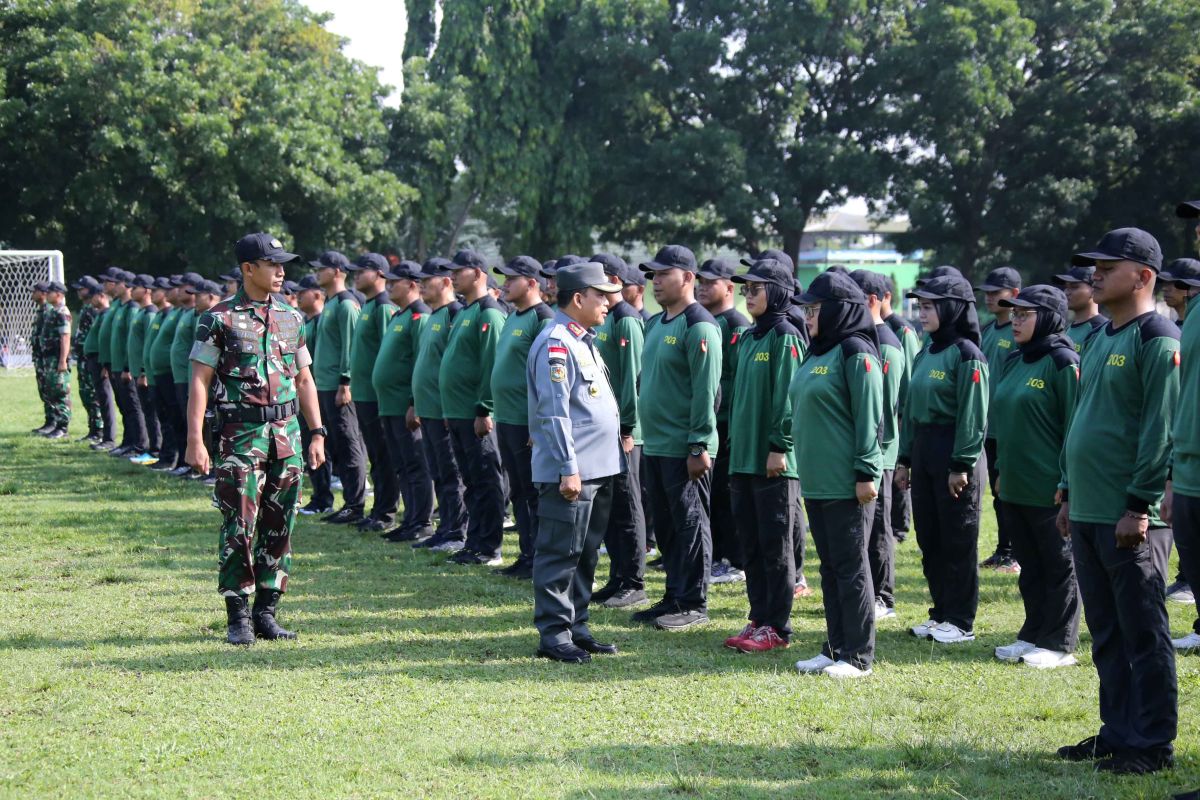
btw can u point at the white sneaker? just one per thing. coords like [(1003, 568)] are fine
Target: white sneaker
[(1181, 593), (844, 669), (922, 631), (1041, 658), (1014, 651), (1189, 642), (814, 665), (494, 562), (949, 633), (883, 612)]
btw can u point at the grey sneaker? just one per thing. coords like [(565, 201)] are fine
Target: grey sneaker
[(724, 572), (626, 598), (1181, 592), (448, 547), (681, 619)]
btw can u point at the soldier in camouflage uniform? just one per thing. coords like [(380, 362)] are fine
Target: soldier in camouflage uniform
[(35, 351), (250, 349), (85, 288), (55, 359)]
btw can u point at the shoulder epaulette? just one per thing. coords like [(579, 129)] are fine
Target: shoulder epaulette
[(887, 336), (1155, 326), (969, 351), (696, 313), (543, 311)]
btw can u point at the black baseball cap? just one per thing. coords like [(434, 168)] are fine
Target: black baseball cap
[(468, 259), (309, 282), (407, 270), (40, 286), (436, 267), (290, 288), (1041, 296), (720, 269), (871, 282), (369, 261), (584, 275), (833, 286), (234, 274), (55, 286), (1000, 278), (940, 272), (1123, 244), (331, 258), (1075, 275), (766, 270), (192, 278), (944, 287), (548, 269), (1189, 209), (521, 266), (162, 282), (614, 266), (204, 287), (255, 246), (1182, 270), (633, 277), (143, 281), (91, 284), (778, 255), (673, 256)]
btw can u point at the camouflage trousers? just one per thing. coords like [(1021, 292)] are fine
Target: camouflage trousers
[(87, 395), (39, 373), (256, 496), (56, 391)]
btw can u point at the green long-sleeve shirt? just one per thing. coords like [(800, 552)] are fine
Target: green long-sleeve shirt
[(620, 341), (135, 343), (103, 328), (1118, 445), (910, 344), (996, 342), (681, 376), (91, 339), (181, 346), (154, 323), (335, 337), (510, 386), (393, 375), (119, 349), (949, 386), (373, 322), (465, 375), (730, 322), (431, 349), (1031, 412), (760, 402), (1186, 454), (891, 354), (160, 349), (837, 407)]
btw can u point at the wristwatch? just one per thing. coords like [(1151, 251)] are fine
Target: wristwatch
[(321, 431), (696, 450)]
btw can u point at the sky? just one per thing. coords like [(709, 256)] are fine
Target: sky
[(376, 35)]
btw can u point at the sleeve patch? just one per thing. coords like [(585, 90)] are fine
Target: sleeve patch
[(795, 352), (734, 338), (975, 376), (558, 373), (624, 341), (557, 354), (1176, 358), (483, 328), (885, 367), (867, 364), (704, 345)]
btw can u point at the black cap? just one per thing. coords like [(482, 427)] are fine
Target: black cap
[(331, 258), (40, 286), (290, 288), (945, 287), (309, 282), (1049, 298), (1001, 278), (1182, 270), (143, 281), (614, 266), (234, 274), (767, 270), (584, 275), (1123, 244), (673, 256), (940, 272), (55, 286), (778, 255), (118, 275), (254, 246), (871, 282), (1189, 209), (568, 260), (110, 273), (162, 282), (633, 277), (91, 284), (548, 268), (836, 286), (192, 278), (521, 266), (204, 287), (407, 270), (436, 267), (1075, 275), (720, 269), (468, 259), (370, 261), (78, 283)]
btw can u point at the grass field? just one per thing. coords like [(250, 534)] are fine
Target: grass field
[(416, 679)]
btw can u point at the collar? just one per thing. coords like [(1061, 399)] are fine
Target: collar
[(242, 301)]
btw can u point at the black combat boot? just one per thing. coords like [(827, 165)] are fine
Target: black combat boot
[(42, 431), (265, 626), (238, 619)]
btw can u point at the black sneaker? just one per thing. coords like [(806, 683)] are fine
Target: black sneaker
[(42, 431), (163, 466), (521, 569), (123, 450), (606, 591), (1090, 749), (656, 564), (1136, 762), (104, 446), (372, 525), (681, 619), (347, 516), (57, 433), (312, 508), (181, 471), (655, 611), (432, 541), (626, 598)]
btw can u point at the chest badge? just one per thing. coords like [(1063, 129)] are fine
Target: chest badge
[(594, 390)]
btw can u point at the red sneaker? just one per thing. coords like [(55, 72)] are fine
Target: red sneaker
[(762, 640), (734, 642)]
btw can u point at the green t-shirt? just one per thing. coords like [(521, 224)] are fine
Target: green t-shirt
[(122, 321), (837, 407), (181, 345), (373, 320), (996, 343), (160, 348), (1080, 332), (760, 405), (103, 329), (393, 375), (948, 387), (620, 340), (730, 322), (1186, 454), (139, 323), (431, 348), (681, 376), (335, 339), (465, 375), (1118, 444), (510, 387)]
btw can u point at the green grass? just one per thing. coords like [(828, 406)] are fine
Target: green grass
[(414, 679)]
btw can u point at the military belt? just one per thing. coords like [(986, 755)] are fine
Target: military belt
[(233, 412)]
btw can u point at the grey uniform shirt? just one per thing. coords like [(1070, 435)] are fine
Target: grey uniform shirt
[(573, 418)]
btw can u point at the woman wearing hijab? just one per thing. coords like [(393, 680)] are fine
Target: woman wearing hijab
[(837, 407), (1033, 406), (941, 437), (762, 463)]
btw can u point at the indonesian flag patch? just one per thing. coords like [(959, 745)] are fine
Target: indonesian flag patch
[(1177, 358), (416, 315), (557, 353), (624, 341), (867, 364), (795, 352), (704, 345), (975, 377), (484, 327)]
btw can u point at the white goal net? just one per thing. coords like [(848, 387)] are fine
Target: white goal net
[(19, 271)]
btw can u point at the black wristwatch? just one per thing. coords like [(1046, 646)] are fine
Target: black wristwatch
[(697, 450), (321, 431)]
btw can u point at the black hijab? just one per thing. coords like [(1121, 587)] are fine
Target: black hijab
[(844, 313), (957, 320), (1049, 332), (779, 306)]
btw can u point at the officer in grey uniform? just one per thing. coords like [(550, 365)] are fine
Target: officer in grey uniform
[(576, 431)]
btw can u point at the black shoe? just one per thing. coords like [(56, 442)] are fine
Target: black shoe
[(312, 508), (347, 516), (120, 450), (104, 446), (521, 569), (265, 626), (237, 620), (209, 480), (1090, 749), (163, 466), (1136, 762), (57, 433), (372, 525), (626, 598), (655, 611), (91, 437), (656, 564), (596, 648), (681, 619), (564, 653), (42, 431), (182, 471), (606, 591), (431, 541), (469, 558), (398, 535)]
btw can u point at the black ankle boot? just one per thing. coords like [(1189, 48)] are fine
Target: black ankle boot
[(265, 626), (237, 617)]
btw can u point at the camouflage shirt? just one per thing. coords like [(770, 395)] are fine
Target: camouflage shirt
[(56, 320), (87, 318), (256, 350)]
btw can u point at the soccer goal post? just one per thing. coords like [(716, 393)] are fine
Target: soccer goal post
[(19, 271)]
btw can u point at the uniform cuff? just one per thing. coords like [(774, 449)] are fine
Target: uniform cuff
[(863, 477), (344, 380), (480, 411), (1137, 504), (1064, 495), (627, 430), (960, 466)]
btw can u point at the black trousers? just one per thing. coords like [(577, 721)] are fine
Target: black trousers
[(170, 420), (727, 542), (765, 509), (799, 534), (682, 527), (345, 439), (564, 560), (881, 545), (383, 471), (1047, 582), (901, 513), (148, 401), (105, 399), (647, 510), (408, 460), (1125, 605), (321, 478), (447, 480), (626, 535), (516, 457), (479, 460), (1004, 547), (947, 527), (840, 529), (1185, 518), (132, 416)]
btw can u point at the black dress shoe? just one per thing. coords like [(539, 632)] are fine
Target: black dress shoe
[(347, 516), (596, 648), (565, 653)]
